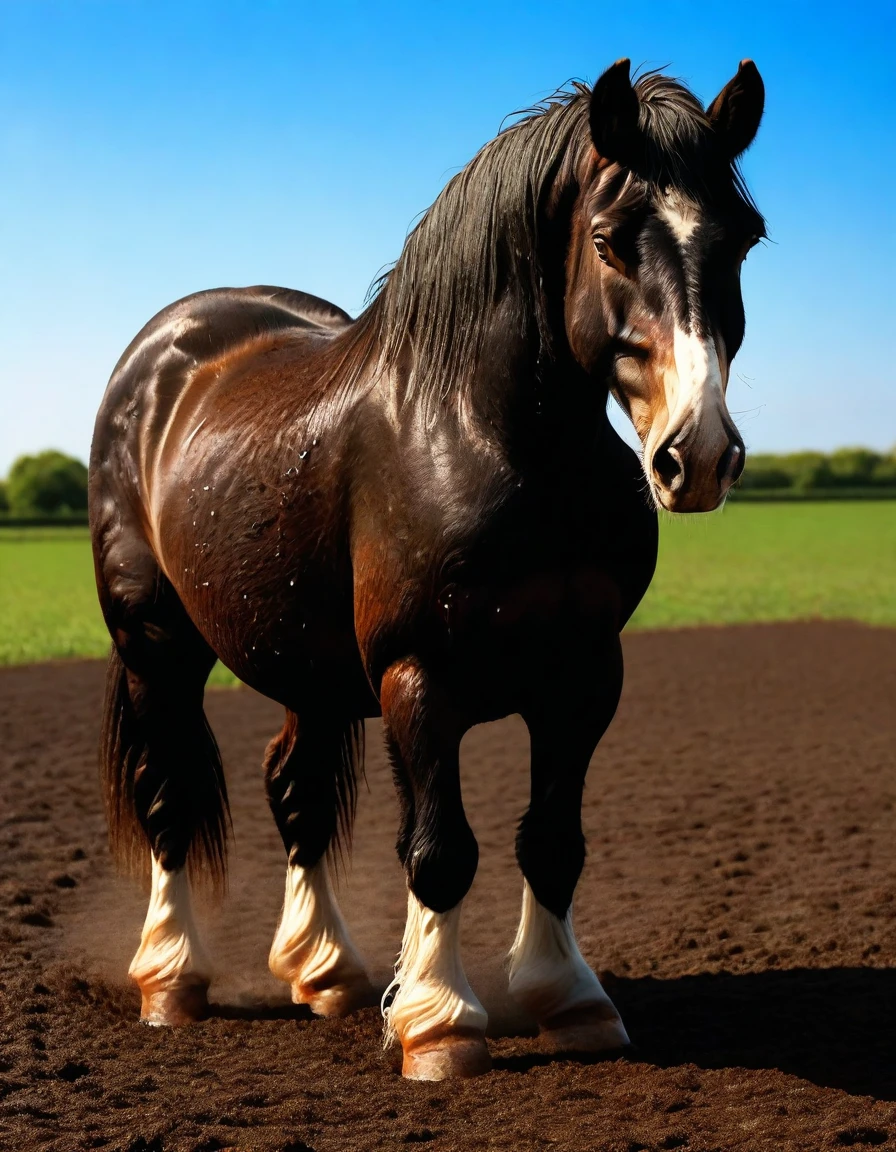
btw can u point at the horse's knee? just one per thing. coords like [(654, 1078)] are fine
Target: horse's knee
[(551, 856), (442, 863)]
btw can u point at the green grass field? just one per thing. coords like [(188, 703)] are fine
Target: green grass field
[(752, 562)]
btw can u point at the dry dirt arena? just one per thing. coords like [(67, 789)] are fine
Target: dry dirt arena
[(739, 901)]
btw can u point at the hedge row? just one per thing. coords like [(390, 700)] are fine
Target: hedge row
[(847, 469), (778, 495), (60, 520), (739, 495), (51, 488)]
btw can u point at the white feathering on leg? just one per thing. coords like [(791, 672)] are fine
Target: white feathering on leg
[(312, 945), (548, 973), (170, 951), (431, 990)]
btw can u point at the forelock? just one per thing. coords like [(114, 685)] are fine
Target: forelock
[(678, 138), (681, 151)]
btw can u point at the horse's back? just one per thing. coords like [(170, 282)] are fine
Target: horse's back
[(205, 325)]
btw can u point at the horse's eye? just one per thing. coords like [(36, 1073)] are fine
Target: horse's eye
[(602, 248)]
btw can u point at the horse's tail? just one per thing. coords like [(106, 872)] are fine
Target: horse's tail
[(191, 777), (121, 750), (350, 770)]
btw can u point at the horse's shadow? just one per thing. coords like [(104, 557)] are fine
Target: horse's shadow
[(260, 1010), (833, 1026)]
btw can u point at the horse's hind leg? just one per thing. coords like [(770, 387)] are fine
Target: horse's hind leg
[(549, 976), (163, 781), (310, 774)]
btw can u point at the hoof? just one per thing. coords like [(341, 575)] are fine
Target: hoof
[(338, 1000), (174, 1007), (446, 1057), (594, 1028)]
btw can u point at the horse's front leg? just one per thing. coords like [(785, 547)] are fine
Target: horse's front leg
[(433, 1012), (549, 976)]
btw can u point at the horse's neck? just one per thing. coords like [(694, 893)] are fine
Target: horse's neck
[(533, 398)]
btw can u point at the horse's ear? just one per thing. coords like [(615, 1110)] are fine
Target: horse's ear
[(736, 111), (614, 115)]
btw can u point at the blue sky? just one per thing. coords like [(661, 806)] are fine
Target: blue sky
[(150, 149)]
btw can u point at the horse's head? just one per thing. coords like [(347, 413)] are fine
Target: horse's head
[(653, 304)]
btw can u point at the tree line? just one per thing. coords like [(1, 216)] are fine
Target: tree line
[(819, 471), (53, 484)]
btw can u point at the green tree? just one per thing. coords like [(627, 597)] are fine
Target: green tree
[(809, 470), (4, 498), (885, 471), (47, 483), (853, 467), (764, 470)]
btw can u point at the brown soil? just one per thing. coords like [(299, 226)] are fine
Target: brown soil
[(739, 898)]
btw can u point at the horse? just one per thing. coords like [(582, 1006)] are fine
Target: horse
[(422, 514)]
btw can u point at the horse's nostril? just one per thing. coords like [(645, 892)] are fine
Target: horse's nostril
[(731, 463), (668, 467)]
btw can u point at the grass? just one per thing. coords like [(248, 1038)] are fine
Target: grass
[(752, 562), (755, 562), (48, 604)]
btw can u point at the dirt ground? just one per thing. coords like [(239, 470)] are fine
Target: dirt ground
[(739, 900)]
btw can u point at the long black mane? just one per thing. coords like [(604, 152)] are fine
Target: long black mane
[(478, 245)]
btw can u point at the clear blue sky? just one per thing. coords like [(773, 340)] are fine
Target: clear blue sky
[(149, 149)]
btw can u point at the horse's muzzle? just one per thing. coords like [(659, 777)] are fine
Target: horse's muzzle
[(688, 474)]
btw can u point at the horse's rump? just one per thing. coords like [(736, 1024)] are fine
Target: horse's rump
[(173, 366), (200, 329)]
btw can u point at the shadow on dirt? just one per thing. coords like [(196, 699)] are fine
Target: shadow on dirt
[(259, 1011), (832, 1026)]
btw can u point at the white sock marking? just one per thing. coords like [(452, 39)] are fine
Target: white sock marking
[(312, 939), (548, 973), (432, 990), (170, 946)]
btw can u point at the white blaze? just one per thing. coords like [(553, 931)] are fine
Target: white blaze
[(697, 379)]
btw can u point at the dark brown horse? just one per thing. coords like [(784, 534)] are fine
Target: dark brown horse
[(425, 514)]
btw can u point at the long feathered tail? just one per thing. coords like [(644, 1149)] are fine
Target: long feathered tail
[(185, 774)]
